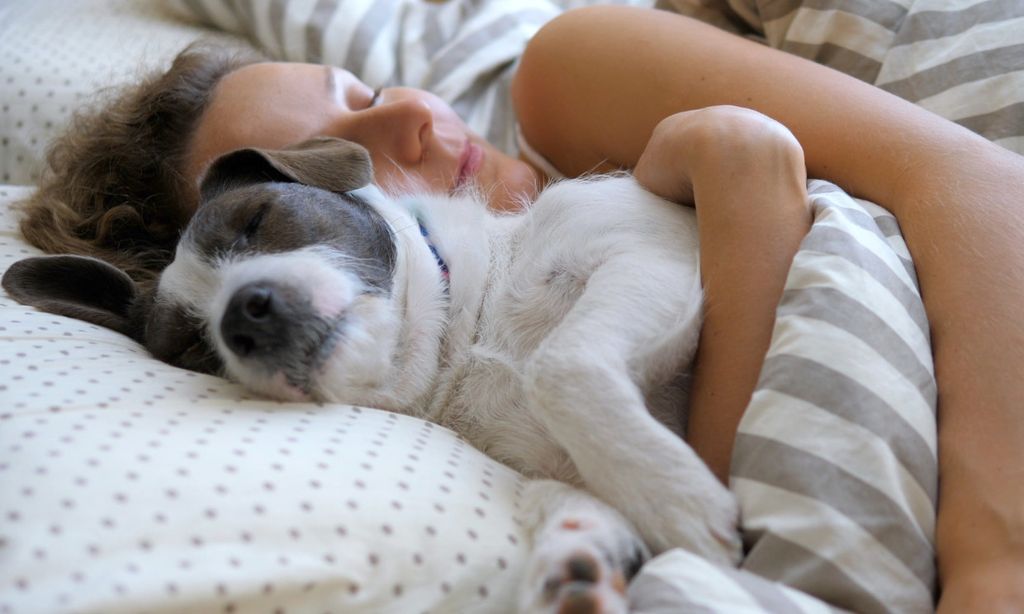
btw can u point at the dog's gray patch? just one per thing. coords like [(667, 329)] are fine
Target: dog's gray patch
[(283, 217)]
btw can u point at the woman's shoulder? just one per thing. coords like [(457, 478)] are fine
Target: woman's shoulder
[(594, 81)]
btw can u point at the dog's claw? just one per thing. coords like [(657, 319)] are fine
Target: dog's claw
[(583, 566), (580, 599)]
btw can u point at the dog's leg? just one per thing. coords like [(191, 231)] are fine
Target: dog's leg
[(582, 384), (584, 552)]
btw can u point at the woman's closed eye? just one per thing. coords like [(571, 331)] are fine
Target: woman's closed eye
[(374, 99)]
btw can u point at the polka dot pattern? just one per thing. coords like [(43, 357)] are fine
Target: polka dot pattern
[(127, 485), (56, 55)]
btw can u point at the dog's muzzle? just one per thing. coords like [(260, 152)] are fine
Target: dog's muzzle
[(252, 322), (277, 326)]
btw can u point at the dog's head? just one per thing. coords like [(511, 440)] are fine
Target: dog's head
[(283, 278)]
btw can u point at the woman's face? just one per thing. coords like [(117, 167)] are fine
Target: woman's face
[(417, 142)]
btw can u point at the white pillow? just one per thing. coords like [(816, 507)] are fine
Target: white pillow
[(128, 485), (56, 55)]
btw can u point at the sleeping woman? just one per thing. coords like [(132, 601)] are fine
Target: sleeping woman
[(725, 125)]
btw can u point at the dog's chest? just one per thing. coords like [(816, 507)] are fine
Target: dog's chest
[(531, 289), (538, 272)]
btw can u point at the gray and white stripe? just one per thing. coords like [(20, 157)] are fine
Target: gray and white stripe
[(835, 460), (962, 59), (678, 581)]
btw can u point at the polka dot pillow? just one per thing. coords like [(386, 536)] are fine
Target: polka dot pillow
[(128, 485), (56, 55)]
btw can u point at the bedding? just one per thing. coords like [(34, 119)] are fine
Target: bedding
[(834, 463), (962, 59)]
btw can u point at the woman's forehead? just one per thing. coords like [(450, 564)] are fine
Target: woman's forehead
[(272, 105), (277, 84)]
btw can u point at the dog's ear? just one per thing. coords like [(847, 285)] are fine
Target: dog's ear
[(324, 162), (75, 286)]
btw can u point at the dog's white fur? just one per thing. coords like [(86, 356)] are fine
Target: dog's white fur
[(556, 347)]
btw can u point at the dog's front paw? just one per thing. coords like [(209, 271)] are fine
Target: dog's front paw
[(703, 522), (725, 537), (582, 562)]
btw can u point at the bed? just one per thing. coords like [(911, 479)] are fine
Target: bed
[(127, 485)]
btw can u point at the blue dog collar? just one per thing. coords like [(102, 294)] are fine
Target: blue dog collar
[(441, 264)]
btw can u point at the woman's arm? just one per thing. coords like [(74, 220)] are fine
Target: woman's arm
[(594, 83), (745, 175)]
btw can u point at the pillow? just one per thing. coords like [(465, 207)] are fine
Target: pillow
[(129, 485), (57, 55), (963, 61), (835, 459), (678, 581)]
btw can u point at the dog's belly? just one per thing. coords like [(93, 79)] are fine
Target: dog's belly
[(491, 411), (489, 406), (542, 268)]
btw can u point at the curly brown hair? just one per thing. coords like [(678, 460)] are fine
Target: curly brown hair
[(114, 187)]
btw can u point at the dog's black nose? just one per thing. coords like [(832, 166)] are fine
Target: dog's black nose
[(252, 321), (256, 301)]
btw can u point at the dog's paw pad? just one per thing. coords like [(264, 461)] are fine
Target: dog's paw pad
[(585, 576), (582, 561), (579, 600), (581, 569), (583, 584)]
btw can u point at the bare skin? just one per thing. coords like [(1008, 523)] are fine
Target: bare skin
[(957, 197), (416, 140), (746, 175)]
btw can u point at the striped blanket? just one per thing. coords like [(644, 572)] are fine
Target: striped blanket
[(962, 59), (835, 460)]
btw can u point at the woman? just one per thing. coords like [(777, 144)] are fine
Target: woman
[(873, 145)]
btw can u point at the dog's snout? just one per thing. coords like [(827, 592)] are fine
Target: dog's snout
[(256, 301), (255, 320)]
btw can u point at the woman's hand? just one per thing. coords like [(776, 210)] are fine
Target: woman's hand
[(745, 174), (712, 143)]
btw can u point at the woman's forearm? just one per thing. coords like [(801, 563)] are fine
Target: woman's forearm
[(962, 213), (745, 175)]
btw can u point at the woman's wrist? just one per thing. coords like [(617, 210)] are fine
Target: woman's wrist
[(708, 145), (745, 173)]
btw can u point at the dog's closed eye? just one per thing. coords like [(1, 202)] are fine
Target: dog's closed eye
[(249, 228), (253, 225)]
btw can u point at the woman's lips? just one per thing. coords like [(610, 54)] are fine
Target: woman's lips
[(469, 162)]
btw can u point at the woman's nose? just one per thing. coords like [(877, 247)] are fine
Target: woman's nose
[(401, 128)]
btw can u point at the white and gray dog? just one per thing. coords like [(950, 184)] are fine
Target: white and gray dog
[(557, 341)]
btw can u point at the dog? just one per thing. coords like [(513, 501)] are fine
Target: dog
[(558, 341)]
